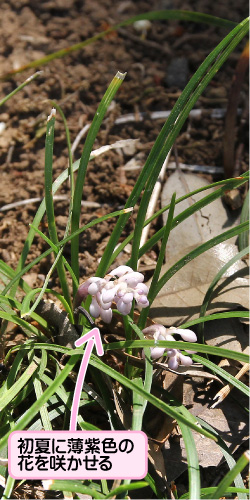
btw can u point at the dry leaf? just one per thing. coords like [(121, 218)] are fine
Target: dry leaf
[(227, 333), (205, 224), (181, 297), (229, 420)]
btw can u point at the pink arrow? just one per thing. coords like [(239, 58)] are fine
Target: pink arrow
[(93, 337)]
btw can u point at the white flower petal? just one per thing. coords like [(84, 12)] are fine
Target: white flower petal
[(93, 288), (155, 328), (132, 279), (187, 335), (102, 304), (142, 301), (94, 308), (171, 352), (157, 352), (106, 315), (123, 308), (127, 298), (108, 295), (121, 270), (142, 289), (173, 363), (185, 360)]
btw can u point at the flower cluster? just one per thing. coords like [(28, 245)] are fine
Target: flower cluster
[(174, 356), (121, 286)]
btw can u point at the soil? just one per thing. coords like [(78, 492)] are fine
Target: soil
[(155, 77), (158, 66)]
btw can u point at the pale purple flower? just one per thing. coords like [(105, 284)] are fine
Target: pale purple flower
[(121, 286), (174, 356)]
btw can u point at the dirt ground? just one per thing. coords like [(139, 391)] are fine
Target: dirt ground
[(158, 67), (156, 74)]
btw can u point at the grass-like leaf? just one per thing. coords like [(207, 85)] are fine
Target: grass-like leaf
[(198, 251), (193, 462), (49, 145), (244, 237), (230, 476), (166, 138), (92, 133)]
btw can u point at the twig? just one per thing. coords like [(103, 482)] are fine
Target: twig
[(216, 113), (206, 169), (79, 136), (10, 206), (223, 393), (147, 43), (153, 200)]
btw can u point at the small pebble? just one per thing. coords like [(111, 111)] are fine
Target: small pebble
[(177, 73)]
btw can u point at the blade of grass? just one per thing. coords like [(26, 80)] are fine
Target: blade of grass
[(18, 385), (216, 351), (55, 248), (223, 373), (130, 487), (17, 305), (144, 313), (238, 481), (92, 133), (212, 317), (18, 275), (166, 139), (20, 87), (74, 486), (210, 292), (244, 237), (193, 462), (235, 231), (25, 308), (29, 329), (212, 489), (230, 476), (49, 146), (227, 185), (39, 391)]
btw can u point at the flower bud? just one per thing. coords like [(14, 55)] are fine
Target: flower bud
[(173, 363), (187, 335), (94, 308), (185, 360), (120, 271), (106, 315)]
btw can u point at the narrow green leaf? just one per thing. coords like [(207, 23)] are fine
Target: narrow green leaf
[(238, 481), (193, 462), (244, 237), (152, 399), (230, 476), (75, 487), (92, 133), (20, 87), (49, 146), (212, 489), (223, 373), (166, 138), (198, 251), (130, 487), (19, 384)]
